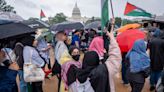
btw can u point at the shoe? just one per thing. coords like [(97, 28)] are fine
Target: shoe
[(152, 88)]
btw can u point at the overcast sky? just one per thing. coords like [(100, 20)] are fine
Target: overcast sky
[(89, 8)]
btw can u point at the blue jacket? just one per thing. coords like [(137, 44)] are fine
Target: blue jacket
[(8, 80)]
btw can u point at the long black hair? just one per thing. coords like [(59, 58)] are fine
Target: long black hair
[(28, 41)]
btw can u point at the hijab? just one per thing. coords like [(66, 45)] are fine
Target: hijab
[(139, 60), (90, 62), (97, 45)]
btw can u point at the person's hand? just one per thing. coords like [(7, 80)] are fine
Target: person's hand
[(14, 66), (113, 21), (110, 34)]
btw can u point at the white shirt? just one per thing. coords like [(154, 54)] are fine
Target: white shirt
[(60, 48)]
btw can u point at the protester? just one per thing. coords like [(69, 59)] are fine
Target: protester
[(157, 61), (19, 54), (156, 30), (97, 45), (42, 47), (138, 66), (68, 73), (76, 38), (30, 54), (8, 74), (96, 77), (60, 47), (92, 33), (75, 53), (124, 69)]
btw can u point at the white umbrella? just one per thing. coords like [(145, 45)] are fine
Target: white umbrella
[(10, 16)]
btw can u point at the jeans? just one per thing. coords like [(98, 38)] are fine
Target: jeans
[(154, 76), (23, 84), (124, 69)]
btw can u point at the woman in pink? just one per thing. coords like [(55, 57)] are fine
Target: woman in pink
[(97, 45)]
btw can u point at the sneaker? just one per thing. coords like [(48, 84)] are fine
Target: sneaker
[(152, 88)]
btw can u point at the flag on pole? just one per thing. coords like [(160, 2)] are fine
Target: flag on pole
[(104, 13), (42, 15), (132, 10)]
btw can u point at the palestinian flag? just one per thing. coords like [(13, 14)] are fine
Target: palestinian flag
[(42, 15), (132, 10), (104, 13)]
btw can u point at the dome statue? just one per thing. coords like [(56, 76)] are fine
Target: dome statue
[(76, 12)]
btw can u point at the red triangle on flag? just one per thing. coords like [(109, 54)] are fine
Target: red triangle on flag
[(129, 8), (42, 15)]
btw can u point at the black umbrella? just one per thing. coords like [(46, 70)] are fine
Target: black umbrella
[(95, 24), (5, 22), (14, 29), (35, 24), (66, 25)]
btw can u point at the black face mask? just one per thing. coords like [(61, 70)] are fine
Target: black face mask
[(76, 57)]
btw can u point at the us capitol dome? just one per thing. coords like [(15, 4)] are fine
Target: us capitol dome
[(76, 15)]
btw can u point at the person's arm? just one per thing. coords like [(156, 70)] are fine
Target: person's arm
[(18, 82), (36, 59), (114, 60), (60, 49)]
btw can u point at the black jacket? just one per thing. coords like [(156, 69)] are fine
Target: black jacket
[(157, 54)]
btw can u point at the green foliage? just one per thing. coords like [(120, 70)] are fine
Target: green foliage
[(126, 21), (5, 7), (31, 18), (58, 18), (118, 21)]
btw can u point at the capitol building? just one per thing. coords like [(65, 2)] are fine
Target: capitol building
[(76, 15)]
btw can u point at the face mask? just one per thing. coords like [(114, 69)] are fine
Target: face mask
[(76, 57)]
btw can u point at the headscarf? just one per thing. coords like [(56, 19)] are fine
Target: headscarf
[(90, 61), (139, 60), (97, 45), (65, 70)]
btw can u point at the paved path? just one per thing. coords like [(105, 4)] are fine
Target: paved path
[(51, 85)]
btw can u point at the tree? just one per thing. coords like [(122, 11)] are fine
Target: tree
[(118, 21), (6, 8), (58, 18), (31, 18)]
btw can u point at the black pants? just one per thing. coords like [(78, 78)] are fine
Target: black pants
[(136, 87), (37, 87)]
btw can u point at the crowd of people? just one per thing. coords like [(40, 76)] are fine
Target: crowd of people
[(86, 63)]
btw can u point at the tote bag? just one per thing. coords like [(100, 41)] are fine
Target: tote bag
[(32, 73)]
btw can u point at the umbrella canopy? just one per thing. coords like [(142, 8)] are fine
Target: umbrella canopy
[(14, 29), (5, 22), (10, 16), (95, 24), (129, 26), (127, 39), (35, 24), (66, 26)]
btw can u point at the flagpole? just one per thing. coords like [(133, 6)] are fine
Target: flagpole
[(112, 26), (112, 8)]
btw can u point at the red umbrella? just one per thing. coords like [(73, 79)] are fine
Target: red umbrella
[(127, 39)]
